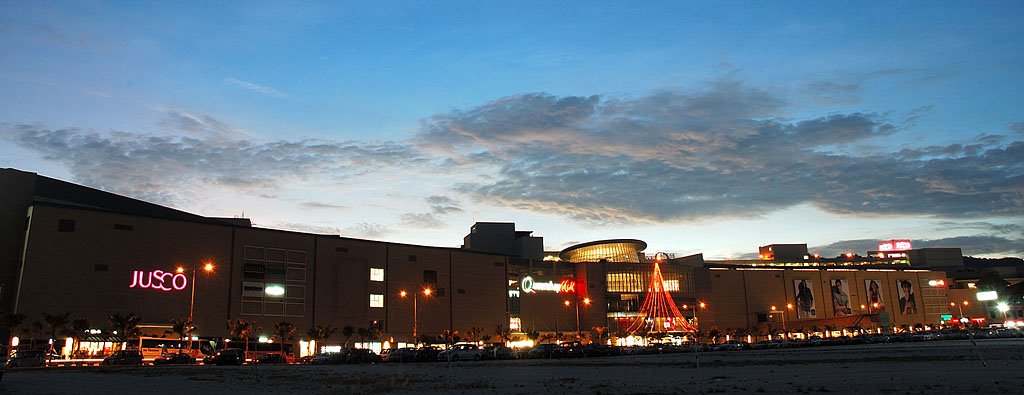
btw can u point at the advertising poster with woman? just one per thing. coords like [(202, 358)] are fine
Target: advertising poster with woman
[(876, 303), (841, 298), (804, 299), (908, 305)]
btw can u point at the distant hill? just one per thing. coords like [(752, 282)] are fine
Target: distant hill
[(971, 261)]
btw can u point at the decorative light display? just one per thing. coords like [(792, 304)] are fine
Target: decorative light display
[(659, 312)]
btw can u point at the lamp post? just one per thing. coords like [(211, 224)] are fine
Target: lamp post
[(415, 309), (586, 301), (702, 305), (789, 306), (208, 268)]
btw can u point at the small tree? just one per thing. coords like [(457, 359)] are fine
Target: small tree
[(36, 329), (180, 327), (473, 334), (504, 332), (714, 333)]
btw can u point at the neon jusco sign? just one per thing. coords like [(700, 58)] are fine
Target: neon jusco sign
[(529, 286), (159, 279)]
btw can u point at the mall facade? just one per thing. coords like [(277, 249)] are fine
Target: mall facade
[(69, 248)]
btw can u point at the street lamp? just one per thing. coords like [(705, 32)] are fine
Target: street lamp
[(208, 268), (415, 310), (586, 301), (789, 306), (693, 307), (1003, 307)]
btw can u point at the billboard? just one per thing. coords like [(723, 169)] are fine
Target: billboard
[(841, 297), (804, 299), (908, 304), (875, 300)]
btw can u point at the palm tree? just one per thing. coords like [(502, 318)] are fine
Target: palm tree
[(347, 332), (56, 324), (318, 333), (600, 330), (473, 334), (504, 332), (181, 327), (362, 333), (78, 328), (242, 329), (35, 329), (126, 325), (284, 333)]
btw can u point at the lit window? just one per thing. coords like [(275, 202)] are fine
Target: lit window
[(376, 300), (376, 274)]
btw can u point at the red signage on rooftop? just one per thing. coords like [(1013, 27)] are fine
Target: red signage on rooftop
[(895, 245)]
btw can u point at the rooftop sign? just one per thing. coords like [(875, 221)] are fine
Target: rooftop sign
[(159, 279), (895, 245)]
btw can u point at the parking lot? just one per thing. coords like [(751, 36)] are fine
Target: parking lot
[(910, 367)]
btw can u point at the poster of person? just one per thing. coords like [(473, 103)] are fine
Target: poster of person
[(841, 297), (876, 303), (907, 303), (804, 299)]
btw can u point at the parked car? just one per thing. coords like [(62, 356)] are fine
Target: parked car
[(497, 351), (405, 354), (230, 356), (328, 358), (568, 350), (123, 357), (427, 354), (27, 359), (361, 355), (543, 350), (461, 352), (271, 359), (174, 359)]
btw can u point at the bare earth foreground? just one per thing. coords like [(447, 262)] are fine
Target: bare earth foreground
[(903, 368)]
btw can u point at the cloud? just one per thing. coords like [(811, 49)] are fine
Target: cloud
[(169, 169), (180, 121), (1017, 127), (319, 206), (261, 89), (427, 220), (365, 230), (724, 152), (443, 205)]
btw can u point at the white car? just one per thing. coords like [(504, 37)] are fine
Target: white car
[(462, 352)]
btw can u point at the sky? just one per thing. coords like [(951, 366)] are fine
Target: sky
[(699, 127)]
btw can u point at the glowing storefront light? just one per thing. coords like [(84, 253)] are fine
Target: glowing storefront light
[(159, 279), (274, 290), (987, 295)]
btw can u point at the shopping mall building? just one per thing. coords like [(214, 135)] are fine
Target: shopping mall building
[(69, 248)]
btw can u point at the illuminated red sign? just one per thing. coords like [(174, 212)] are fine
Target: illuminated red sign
[(159, 279), (895, 245), (567, 286)]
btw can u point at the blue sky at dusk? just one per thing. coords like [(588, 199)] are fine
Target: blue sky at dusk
[(710, 127)]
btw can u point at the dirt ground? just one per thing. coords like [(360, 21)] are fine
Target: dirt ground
[(993, 366)]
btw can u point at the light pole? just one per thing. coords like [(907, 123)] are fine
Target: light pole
[(586, 301), (776, 311), (415, 310), (208, 268), (695, 322)]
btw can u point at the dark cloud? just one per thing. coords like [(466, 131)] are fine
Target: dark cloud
[(1017, 127), (723, 152), (443, 205), (167, 169)]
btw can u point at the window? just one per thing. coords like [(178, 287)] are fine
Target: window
[(376, 274), (412, 258), (430, 277), (376, 300), (66, 225)]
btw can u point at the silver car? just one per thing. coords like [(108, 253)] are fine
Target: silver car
[(462, 352)]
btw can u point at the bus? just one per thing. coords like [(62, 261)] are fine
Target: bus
[(153, 347)]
